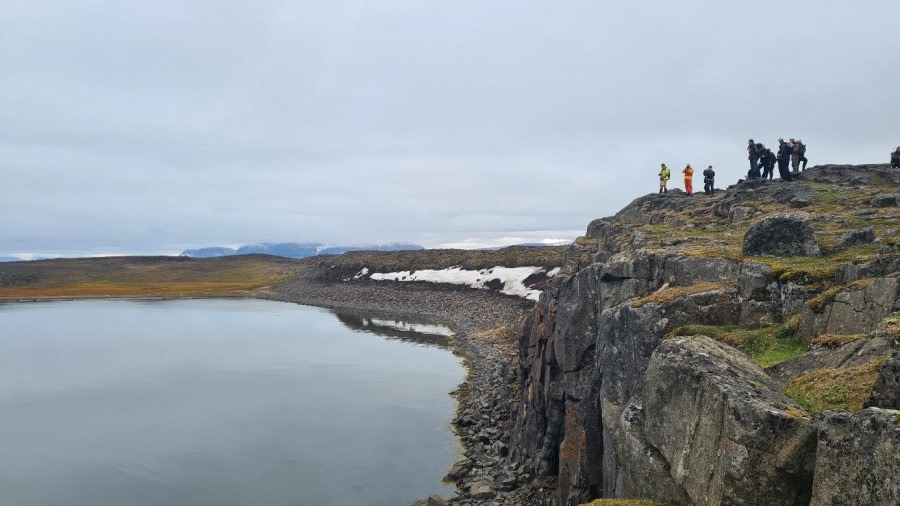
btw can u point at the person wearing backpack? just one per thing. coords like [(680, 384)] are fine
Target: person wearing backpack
[(753, 153), (709, 180), (663, 178), (760, 166), (783, 158), (795, 156), (895, 158), (688, 179), (801, 148), (767, 159)]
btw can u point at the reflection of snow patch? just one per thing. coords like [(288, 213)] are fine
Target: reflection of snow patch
[(422, 328), (513, 278)]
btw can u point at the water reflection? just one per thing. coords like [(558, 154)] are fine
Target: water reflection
[(400, 328), (211, 402)]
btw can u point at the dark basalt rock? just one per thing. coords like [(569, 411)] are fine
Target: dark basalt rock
[(858, 458), (854, 237), (786, 235), (885, 200), (729, 436)]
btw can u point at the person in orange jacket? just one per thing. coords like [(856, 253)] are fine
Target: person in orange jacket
[(688, 179)]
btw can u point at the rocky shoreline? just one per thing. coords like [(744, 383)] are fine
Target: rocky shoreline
[(486, 327)]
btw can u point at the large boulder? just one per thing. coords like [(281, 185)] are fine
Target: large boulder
[(643, 471), (727, 434), (853, 237), (786, 235), (858, 458), (885, 200)]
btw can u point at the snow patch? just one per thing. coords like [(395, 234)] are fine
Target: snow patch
[(513, 278)]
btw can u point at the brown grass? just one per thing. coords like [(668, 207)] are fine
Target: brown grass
[(670, 293), (144, 277), (826, 389), (835, 340), (493, 335), (167, 289)]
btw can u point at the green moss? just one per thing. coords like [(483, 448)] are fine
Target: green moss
[(585, 241), (765, 345)]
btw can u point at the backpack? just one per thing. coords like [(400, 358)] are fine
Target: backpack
[(802, 150)]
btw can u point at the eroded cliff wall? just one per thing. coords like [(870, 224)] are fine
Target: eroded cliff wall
[(612, 404)]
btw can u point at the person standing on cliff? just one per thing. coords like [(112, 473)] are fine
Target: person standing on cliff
[(801, 149), (767, 160), (663, 178), (795, 156), (895, 158), (709, 180), (784, 157), (753, 153), (688, 179)]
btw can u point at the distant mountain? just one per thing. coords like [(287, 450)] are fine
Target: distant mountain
[(10, 259), (294, 250), (209, 252)]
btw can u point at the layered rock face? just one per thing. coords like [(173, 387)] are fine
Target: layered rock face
[(611, 405)]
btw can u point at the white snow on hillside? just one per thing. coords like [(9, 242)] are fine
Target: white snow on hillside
[(512, 278)]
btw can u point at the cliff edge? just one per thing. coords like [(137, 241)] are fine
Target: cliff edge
[(739, 348)]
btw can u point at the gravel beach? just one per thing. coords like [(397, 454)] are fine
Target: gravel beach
[(486, 327)]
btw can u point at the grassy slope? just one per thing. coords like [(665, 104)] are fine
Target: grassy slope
[(233, 276), (143, 277)]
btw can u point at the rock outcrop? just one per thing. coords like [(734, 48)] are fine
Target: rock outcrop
[(856, 310), (728, 436), (611, 405), (784, 235), (858, 458)]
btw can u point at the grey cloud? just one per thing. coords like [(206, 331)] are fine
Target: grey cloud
[(158, 126)]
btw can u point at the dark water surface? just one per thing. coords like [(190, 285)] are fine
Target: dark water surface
[(202, 402)]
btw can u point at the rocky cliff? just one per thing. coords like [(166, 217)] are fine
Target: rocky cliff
[(739, 348)]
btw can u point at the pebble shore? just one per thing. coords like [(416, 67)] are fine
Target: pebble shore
[(486, 327)]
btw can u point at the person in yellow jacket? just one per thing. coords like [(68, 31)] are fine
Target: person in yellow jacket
[(688, 179), (663, 178)]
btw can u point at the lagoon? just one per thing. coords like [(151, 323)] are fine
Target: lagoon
[(203, 402)]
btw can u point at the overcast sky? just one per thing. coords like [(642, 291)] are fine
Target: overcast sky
[(154, 126)]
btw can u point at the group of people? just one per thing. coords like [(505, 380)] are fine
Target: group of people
[(709, 179), (792, 152)]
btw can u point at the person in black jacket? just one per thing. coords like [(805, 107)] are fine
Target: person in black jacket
[(709, 180), (767, 160), (784, 158), (895, 158), (753, 154)]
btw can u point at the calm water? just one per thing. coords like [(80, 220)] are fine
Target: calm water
[(206, 402)]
